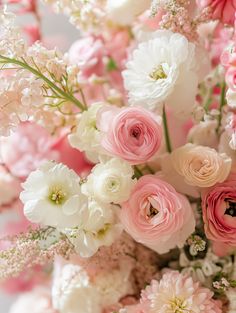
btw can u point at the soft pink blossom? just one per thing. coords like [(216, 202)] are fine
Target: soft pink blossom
[(219, 212), (230, 78), (25, 149), (157, 216), (223, 10), (132, 133), (176, 292), (71, 157)]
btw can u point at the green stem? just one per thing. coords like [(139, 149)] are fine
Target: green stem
[(166, 131), (222, 103), (54, 87), (137, 172)]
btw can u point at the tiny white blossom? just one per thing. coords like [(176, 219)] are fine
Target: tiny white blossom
[(52, 196), (110, 182)]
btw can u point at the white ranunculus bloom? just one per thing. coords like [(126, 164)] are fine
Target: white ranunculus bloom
[(98, 227), (163, 69), (87, 136), (72, 291), (52, 196), (124, 12), (110, 182)]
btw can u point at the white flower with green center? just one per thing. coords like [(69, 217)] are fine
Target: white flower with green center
[(52, 196), (163, 69), (110, 182)]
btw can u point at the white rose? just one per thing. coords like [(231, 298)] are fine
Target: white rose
[(204, 134), (159, 71), (110, 182), (87, 136), (201, 166), (124, 12), (52, 196), (98, 227)]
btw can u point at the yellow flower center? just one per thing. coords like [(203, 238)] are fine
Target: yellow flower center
[(57, 195), (158, 73), (178, 305)]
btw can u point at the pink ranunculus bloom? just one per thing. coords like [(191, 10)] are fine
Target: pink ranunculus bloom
[(24, 150), (219, 212), (223, 10), (131, 133), (157, 216)]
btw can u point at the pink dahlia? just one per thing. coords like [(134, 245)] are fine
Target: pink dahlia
[(176, 292)]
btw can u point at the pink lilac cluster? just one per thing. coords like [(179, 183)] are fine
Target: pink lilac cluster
[(118, 162)]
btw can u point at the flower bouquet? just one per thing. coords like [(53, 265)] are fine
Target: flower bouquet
[(118, 158)]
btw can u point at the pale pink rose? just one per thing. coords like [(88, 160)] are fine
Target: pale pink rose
[(230, 78), (37, 301), (157, 216), (219, 212), (24, 150), (223, 10), (87, 54), (176, 291), (133, 134)]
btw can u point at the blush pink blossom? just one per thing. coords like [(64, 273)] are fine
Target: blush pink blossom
[(230, 77), (24, 150), (219, 212), (71, 157), (223, 10), (132, 134), (157, 216), (176, 292)]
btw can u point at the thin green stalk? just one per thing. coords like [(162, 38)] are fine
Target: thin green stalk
[(137, 172), (166, 131), (54, 87), (222, 103)]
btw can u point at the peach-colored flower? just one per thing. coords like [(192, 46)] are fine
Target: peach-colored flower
[(157, 216), (201, 166), (219, 212), (133, 134)]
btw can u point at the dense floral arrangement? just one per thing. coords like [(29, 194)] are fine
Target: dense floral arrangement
[(118, 158)]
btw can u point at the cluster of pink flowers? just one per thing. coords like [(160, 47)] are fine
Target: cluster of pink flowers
[(118, 159)]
